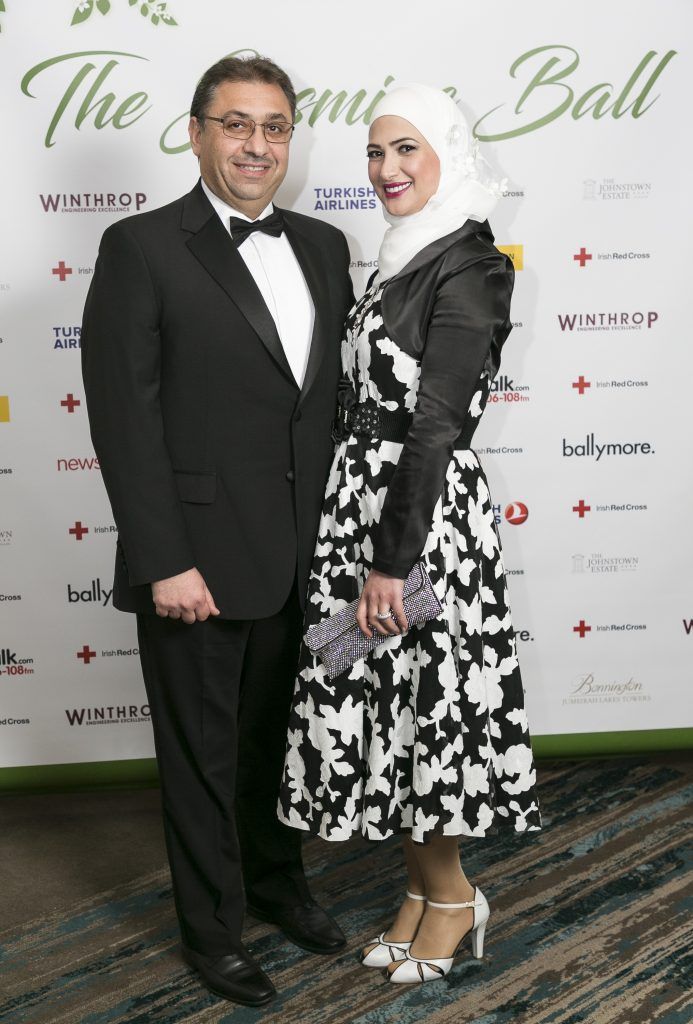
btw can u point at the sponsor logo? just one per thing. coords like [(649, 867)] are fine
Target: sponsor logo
[(5, 537), (86, 655), (363, 264), (583, 257), (76, 464), (588, 690), (15, 721), (10, 597), (5, 409), (611, 320), (504, 389), (512, 192), (583, 629), (516, 254), (96, 593), (550, 66), (345, 197), (516, 513), (79, 530), (524, 636), (116, 714), (514, 572), (500, 450), (688, 626), (581, 385), (62, 271), (611, 190), (70, 403), (92, 202), (12, 665), (599, 563), (594, 449), (67, 337), (582, 508)]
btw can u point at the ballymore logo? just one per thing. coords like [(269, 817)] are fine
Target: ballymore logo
[(95, 593), (608, 320), (591, 448), (92, 202)]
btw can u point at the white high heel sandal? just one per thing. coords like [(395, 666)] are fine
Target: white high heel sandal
[(417, 969), (385, 953)]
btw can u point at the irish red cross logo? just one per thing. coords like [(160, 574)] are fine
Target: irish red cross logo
[(70, 402), (78, 530), (583, 256), (86, 654), (582, 628), (581, 508), (61, 270), (581, 384)]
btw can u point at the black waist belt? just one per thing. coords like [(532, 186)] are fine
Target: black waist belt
[(370, 421)]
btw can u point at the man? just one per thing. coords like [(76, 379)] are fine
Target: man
[(210, 349)]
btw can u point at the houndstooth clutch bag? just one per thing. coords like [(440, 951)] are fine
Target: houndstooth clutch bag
[(339, 642)]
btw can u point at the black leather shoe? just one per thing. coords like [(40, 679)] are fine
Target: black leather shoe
[(307, 925), (233, 976)]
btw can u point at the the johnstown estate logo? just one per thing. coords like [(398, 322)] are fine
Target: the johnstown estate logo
[(611, 190), (589, 690), (591, 448), (599, 563)]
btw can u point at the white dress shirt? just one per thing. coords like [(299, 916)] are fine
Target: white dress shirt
[(278, 275)]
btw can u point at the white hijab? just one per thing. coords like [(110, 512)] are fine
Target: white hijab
[(464, 191)]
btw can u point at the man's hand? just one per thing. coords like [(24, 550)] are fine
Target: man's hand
[(381, 593), (184, 597)]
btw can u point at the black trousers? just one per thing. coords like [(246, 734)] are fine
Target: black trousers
[(220, 693)]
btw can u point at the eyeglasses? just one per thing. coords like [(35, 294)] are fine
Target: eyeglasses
[(244, 128)]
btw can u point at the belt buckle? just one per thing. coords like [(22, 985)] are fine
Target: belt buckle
[(365, 420)]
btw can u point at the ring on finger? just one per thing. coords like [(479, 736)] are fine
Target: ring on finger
[(389, 614)]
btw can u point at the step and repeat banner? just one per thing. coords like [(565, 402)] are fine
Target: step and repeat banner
[(587, 438)]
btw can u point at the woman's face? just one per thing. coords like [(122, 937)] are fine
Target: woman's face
[(403, 168)]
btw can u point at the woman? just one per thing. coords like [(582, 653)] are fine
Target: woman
[(427, 736)]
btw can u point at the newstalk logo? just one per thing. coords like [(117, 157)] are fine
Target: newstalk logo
[(504, 389), (593, 449), (74, 465), (608, 321)]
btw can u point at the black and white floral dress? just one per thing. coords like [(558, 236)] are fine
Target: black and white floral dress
[(428, 734)]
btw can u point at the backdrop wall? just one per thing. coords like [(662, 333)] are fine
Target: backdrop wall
[(587, 440)]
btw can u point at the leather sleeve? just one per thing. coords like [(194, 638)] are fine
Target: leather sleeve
[(121, 365), (470, 308)]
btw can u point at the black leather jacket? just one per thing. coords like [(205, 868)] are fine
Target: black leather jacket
[(449, 308)]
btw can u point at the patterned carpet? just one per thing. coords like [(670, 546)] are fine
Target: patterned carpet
[(590, 922)]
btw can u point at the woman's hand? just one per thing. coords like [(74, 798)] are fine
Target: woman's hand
[(381, 593)]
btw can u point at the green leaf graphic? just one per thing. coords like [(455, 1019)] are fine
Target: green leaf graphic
[(82, 12), (104, 6)]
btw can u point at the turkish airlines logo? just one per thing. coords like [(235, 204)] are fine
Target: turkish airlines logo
[(516, 513)]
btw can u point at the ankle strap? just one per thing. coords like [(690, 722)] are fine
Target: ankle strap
[(415, 896)]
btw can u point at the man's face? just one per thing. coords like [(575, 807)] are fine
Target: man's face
[(245, 173)]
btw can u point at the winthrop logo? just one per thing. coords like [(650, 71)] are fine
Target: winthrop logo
[(611, 321), (593, 449), (118, 714), (92, 202)]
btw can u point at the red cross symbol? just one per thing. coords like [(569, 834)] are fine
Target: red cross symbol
[(582, 628), (70, 402), (581, 508), (61, 270), (583, 256), (86, 654), (78, 530), (581, 384)]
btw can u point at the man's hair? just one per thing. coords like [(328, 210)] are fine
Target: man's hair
[(240, 69)]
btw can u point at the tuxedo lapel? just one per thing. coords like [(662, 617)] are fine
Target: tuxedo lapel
[(312, 263), (211, 244)]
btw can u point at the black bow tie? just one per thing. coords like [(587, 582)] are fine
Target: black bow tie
[(240, 229)]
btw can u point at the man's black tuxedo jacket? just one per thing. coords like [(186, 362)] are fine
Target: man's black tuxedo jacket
[(211, 455)]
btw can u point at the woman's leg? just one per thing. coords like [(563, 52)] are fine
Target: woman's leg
[(444, 881), (404, 926)]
